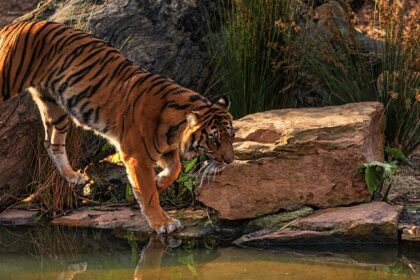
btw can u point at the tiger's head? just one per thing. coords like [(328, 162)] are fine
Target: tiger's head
[(210, 134)]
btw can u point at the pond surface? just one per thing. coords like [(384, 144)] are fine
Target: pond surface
[(65, 253)]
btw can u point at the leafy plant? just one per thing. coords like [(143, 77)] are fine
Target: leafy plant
[(397, 154), (376, 172), (181, 193)]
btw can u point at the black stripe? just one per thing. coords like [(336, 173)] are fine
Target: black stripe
[(47, 98), (77, 52), (22, 61), (87, 93), (34, 73), (111, 59), (86, 115), (202, 107), (174, 92), (90, 56), (62, 129), (139, 82), (155, 144), (157, 84), (97, 110), (170, 133), (179, 107), (36, 49), (79, 75), (117, 70), (62, 88), (147, 150), (71, 39), (6, 74), (59, 120)]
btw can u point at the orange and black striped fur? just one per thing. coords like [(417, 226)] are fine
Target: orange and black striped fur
[(149, 118)]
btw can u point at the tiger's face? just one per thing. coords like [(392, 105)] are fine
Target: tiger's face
[(212, 134)]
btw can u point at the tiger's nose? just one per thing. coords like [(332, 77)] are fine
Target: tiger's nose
[(227, 159)]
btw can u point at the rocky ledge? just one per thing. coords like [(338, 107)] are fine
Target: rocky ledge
[(375, 222)]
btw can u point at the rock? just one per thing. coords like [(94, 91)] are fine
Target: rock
[(167, 37), (17, 217), (411, 233), (354, 4), (15, 8), (132, 219), (374, 222), (277, 220), (19, 126), (295, 157)]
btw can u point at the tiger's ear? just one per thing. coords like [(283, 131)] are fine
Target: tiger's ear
[(223, 101), (192, 119)]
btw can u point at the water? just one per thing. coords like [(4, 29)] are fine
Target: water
[(63, 253)]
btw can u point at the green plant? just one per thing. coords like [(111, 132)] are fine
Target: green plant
[(396, 154), (181, 193), (242, 55), (376, 172)]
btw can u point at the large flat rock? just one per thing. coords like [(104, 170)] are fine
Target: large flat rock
[(18, 217), (291, 157), (127, 218), (375, 222)]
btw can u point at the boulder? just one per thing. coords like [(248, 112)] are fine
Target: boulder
[(375, 222), (19, 125), (15, 8), (292, 157), (166, 37)]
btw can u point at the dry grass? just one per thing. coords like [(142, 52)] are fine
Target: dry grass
[(52, 194)]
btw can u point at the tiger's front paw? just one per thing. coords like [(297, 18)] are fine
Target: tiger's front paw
[(75, 178), (168, 226)]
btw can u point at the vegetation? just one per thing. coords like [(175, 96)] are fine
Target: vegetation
[(181, 193), (328, 54), (377, 172), (275, 54), (241, 52)]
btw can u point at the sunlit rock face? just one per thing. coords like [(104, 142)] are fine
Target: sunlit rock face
[(293, 157)]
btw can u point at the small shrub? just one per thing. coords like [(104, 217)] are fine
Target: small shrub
[(181, 193)]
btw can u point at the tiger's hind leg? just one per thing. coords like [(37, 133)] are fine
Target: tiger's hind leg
[(56, 124)]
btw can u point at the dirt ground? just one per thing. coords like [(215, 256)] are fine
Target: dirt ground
[(404, 189), (11, 9)]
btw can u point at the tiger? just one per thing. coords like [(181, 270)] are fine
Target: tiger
[(150, 119)]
